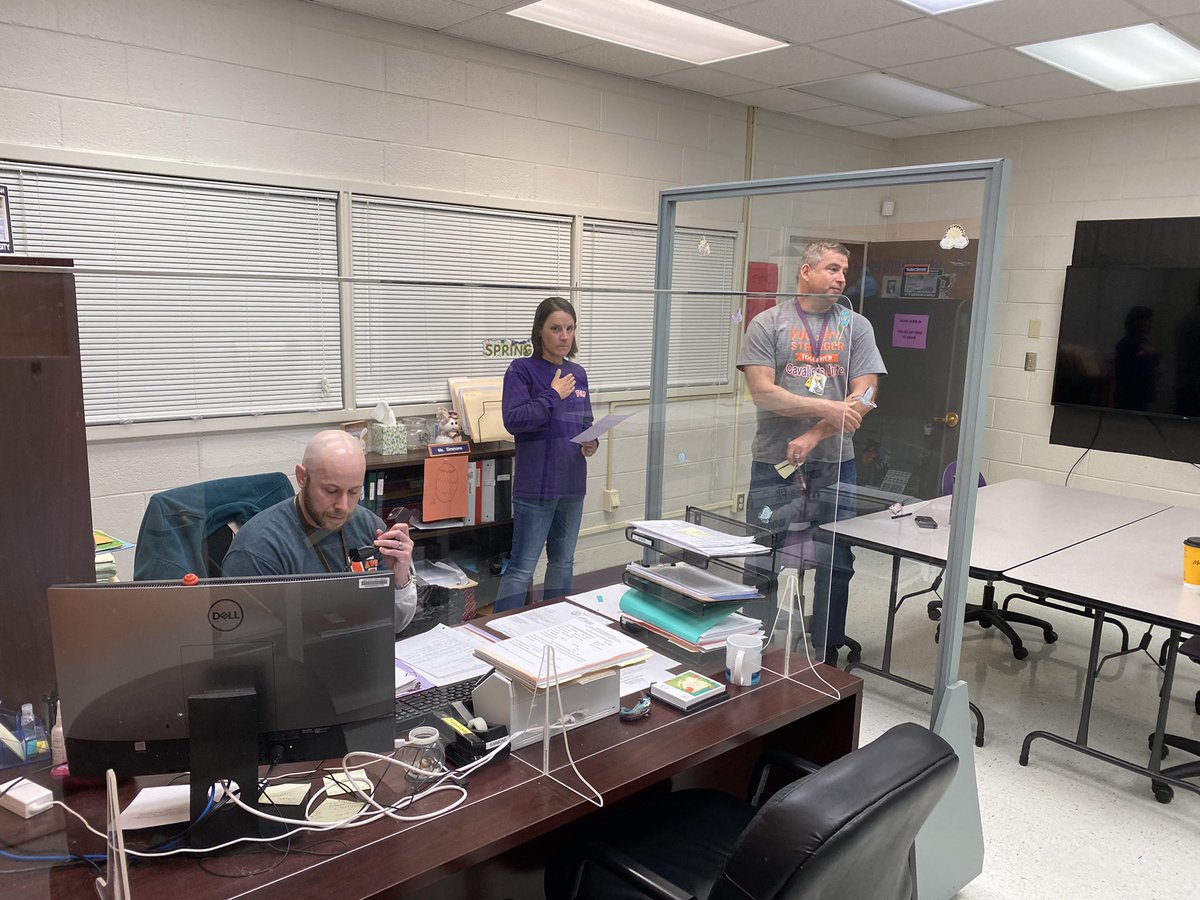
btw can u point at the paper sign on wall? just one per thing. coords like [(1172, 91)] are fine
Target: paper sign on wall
[(445, 494), (910, 331)]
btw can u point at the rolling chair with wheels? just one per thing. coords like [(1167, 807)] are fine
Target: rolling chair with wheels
[(846, 830), (987, 613), (1163, 792), (186, 529)]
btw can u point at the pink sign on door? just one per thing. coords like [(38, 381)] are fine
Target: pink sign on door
[(910, 331)]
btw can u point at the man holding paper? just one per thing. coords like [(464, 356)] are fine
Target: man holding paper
[(812, 368)]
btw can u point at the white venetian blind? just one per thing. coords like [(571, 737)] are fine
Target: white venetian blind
[(162, 346), (616, 329), (409, 340)]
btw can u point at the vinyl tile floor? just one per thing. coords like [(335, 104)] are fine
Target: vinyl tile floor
[(1066, 825)]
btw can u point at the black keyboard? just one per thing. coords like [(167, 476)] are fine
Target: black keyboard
[(411, 706)]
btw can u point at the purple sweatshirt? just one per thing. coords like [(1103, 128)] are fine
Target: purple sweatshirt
[(548, 464)]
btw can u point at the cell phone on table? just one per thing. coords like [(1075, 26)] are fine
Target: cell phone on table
[(925, 522)]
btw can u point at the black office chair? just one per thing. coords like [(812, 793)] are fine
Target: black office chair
[(1163, 792), (186, 529), (847, 830), (987, 614)]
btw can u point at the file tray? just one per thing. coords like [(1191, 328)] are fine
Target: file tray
[(677, 598)]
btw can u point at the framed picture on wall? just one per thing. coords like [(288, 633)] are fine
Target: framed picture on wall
[(6, 235)]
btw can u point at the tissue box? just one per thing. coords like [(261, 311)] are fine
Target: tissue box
[(386, 440)]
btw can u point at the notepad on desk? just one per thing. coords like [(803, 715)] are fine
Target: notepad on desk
[(579, 649)]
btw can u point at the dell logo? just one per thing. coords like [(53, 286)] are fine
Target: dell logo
[(225, 615)]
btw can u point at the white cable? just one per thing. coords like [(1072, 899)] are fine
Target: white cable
[(792, 586)]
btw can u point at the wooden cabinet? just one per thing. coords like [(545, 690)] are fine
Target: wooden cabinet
[(46, 529)]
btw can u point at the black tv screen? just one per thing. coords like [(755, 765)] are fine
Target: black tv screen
[(1129, 339)]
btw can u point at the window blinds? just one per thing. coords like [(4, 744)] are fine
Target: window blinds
[(161, 347), (616, 329), (408, 340)]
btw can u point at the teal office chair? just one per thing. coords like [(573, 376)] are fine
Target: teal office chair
[(186, 529)]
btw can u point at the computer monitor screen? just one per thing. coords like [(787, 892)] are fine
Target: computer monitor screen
[(316, 651)]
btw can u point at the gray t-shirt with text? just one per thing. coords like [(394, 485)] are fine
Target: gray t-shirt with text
[(783, 338)]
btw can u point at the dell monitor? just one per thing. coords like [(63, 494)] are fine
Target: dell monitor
[(222, 676)]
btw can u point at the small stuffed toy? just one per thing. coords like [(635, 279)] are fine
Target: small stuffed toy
[(448, 428)]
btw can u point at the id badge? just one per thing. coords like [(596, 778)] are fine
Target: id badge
[(816, 383)]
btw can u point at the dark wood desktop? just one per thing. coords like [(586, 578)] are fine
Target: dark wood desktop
[(492, 841)]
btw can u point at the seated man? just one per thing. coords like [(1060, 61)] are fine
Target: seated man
[(316, 530)]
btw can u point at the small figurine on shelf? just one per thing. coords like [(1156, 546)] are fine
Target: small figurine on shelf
[(448, 427)]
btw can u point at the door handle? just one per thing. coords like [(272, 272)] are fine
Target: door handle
[(950, 420)]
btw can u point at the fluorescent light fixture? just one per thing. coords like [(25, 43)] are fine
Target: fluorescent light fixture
[(937, 7), (886, 94), (1124, 59), (649, 26)]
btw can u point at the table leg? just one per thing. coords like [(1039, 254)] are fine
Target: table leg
[(885, 670)]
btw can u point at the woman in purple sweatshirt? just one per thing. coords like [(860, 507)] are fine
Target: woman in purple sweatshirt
[(546, 403)]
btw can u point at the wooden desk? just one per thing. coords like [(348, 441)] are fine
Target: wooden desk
[(1134, 571), (510, 803)]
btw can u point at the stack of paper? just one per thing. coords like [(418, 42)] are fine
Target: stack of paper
[(699, 584), (478, 403), (696, 633), (579, 649), (698, 538)]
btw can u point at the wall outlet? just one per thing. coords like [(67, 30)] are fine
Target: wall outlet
[(612, 499), (1030, 362), (739, 501)]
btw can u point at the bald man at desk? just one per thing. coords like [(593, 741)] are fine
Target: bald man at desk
[(323, 527)]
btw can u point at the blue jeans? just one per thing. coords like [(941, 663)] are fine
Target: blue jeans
[(798, 511), (553, 524)]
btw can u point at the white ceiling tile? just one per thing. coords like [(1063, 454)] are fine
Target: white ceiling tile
[(435, 14), (809, 22), (896, 128), (972, 119), (622, 60), (789, 65), (909, 42), (1025, 21), (1105, 104), (708, 81), (975, 68), (1052, 85), (703, 6), (1187, 27), (844, 115), (519, 34), (781, 99), (1168, 7), (1162, 97)]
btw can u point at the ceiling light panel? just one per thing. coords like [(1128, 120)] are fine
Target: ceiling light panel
[(937, 7), (886, 94), (1124, 59), (649, 26)]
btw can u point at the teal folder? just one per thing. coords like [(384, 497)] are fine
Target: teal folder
[(680, 623)]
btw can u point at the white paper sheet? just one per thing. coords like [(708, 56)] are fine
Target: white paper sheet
[(543, 617), (443, 655), (606, 600), (154, 807), (639, 677), (605, 425)]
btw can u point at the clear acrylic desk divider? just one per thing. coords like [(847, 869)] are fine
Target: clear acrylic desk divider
[(116, 885)]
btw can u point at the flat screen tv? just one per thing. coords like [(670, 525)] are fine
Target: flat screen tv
[(1129, 340)]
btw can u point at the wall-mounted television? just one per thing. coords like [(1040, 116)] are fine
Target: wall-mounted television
[(1129, 340)]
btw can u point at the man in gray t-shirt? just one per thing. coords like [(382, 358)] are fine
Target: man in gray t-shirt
[(809, 364)]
